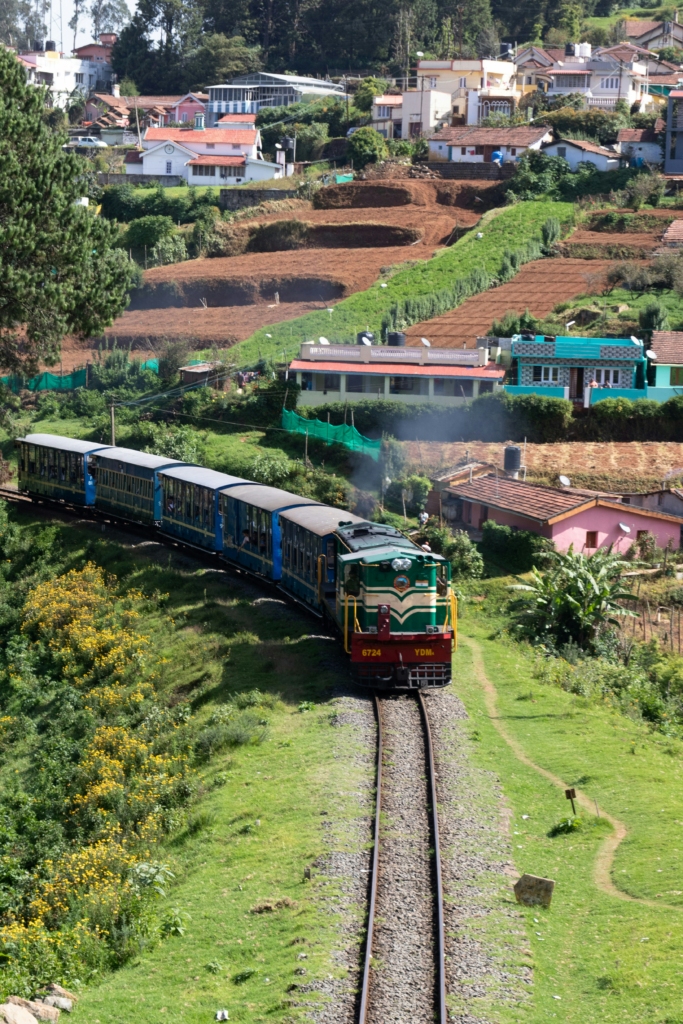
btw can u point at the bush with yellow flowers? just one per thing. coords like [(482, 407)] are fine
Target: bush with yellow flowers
[(102, 766)]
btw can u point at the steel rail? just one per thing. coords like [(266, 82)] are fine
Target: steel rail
[(365, 989), (438, 879)]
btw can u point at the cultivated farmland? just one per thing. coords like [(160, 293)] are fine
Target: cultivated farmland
[(620, 466)]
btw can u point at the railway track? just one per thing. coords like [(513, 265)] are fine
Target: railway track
[(404, 969)]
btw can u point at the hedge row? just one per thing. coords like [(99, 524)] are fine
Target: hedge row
[(512, 418)]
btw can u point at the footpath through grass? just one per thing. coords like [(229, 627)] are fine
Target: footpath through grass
[(509, 228), (596, 958)]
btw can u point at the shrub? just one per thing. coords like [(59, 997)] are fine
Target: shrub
[(518, 551), (653, 317), (413, 489), (147, 231), (366, 92), (458, 548), (366, 146), (169, 249)]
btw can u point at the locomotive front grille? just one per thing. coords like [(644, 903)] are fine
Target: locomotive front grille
[(410, 677)]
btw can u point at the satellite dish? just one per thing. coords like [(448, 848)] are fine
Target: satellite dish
[(366, 341), (323, 341), (636, 341), (427, 344), (650, 354), (565, 481), (624, 528)]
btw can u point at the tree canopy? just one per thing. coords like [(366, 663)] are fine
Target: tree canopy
[(59, 272)]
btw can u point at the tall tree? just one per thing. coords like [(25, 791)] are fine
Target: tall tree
[(108, 16), (58, 270)]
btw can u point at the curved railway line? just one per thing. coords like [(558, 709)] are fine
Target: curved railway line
[(404, 968)]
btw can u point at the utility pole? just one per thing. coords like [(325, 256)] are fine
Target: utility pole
[(113, 425)]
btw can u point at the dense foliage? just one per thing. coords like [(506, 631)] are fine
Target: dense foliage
[(58, 270), (516, 551), (124, 203)]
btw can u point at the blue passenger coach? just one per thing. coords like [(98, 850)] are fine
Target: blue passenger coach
[(251, 529), (309, 551), (57, 467), (190, 504), (128, 482)]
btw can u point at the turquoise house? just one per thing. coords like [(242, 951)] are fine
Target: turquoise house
[(584, 370), (665, 375)]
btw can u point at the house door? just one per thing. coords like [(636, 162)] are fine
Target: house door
[(488, 153), (576, 382)]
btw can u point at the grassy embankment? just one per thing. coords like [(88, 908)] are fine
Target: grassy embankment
[(259, 823), (507, 228), (616, 312), (596, 957)]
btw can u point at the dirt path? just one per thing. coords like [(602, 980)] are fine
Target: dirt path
[(602, 869)]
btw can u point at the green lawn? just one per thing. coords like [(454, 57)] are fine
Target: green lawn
[(606, 958), (260, 818), (507, 228)]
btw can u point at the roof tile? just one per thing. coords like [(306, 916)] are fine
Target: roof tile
[(539, 503), (474, 136)]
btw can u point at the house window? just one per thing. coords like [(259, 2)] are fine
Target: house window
[(211, 145), (513, 151), (204, 172), (641, 534), (332, 382), (432, 83), (79, 78), (169, 167), (463, 82), (676, 376), (546, 374), (609, 83), (562, 151), (591, 538), (231, 171), (463, 150), (608, 378), (183, 117), (568, 81), (529, 79), (383, 111), (236, 146)]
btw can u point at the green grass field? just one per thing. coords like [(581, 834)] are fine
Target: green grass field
[(261, 819), (597, 958)]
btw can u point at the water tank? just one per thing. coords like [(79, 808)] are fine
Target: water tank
[(583, 50), (368, 335), (507, 49), (50, 45), (288, 142), (38, 45), (396, 339), (570, 49), (512, 460)]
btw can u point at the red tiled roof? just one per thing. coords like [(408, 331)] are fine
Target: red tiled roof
[(674, 232), (491, 372), (635, 29), (641, 134), (389, 101), (133, 156), (668, 345), (473, 136), (218, 161), (587, 147), (539, 503), (237, 119), (190, 135)]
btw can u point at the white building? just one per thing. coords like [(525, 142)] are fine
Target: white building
[(387, 116), (472, 145), (477, 87), (423, 110), (576, 151), (204, 156), (641, 145), (65, 77), (353, 373), (246, 94)]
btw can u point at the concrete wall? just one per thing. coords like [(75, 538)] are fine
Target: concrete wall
[(167, 180)]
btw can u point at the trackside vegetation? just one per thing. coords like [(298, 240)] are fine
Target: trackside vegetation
[(510, 230), (156, 719)]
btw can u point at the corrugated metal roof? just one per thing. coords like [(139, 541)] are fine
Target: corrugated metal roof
[(135, 458), (204, 477), (268, 498), (320, 519), (65, 444)]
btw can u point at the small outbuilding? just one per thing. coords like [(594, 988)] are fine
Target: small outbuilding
[(577, 151), (642, 146)]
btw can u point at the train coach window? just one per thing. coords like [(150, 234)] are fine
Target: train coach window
[(32, 460), (352, 580), (330, 554)]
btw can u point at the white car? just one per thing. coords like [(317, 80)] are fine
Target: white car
[(89, 141)]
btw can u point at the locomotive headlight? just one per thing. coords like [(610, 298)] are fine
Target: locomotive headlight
[(401, 564)]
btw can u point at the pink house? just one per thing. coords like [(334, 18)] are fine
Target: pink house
[(187, 106), (564, 516)]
